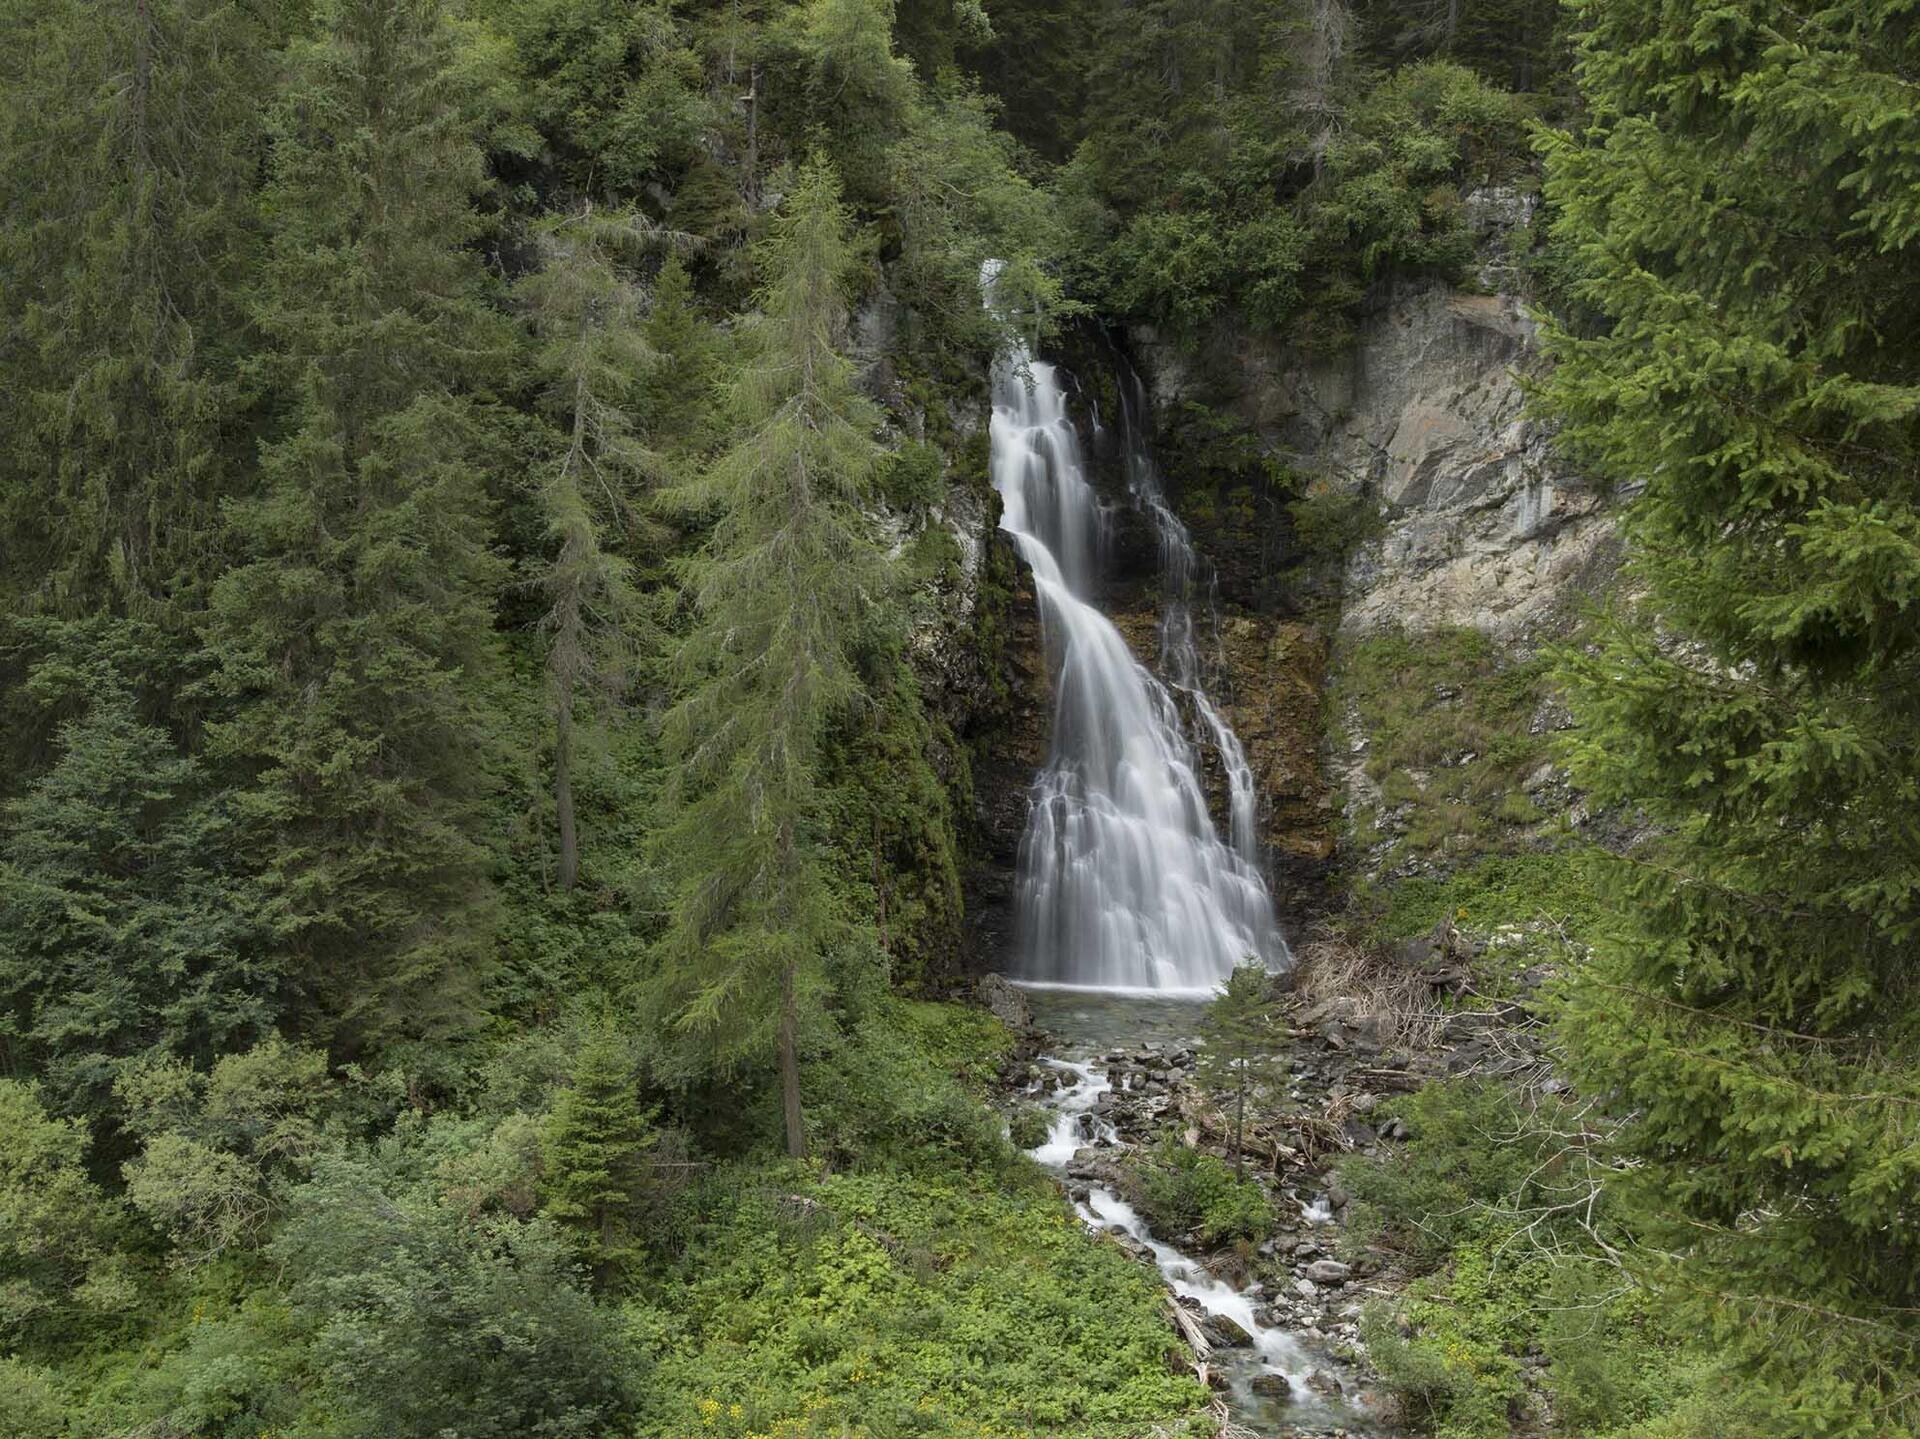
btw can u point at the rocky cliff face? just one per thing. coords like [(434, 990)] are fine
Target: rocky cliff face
[(1475, 526), (1479, 524)]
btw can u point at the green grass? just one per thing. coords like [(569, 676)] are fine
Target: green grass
[(1555, 887), (1447, 717)]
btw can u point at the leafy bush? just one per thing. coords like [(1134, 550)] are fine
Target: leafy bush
[(1434, 1193), (908, 1303), (1330, 522), (1183, 1190)]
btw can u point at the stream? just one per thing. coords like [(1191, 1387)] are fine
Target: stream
[(1267, 1384)]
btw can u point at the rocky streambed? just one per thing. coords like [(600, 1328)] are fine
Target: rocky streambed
[(1273, 1326)]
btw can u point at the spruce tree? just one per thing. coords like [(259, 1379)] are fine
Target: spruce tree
[(122, 935), (595, 1155), (353, 638), (1741, 218), (1239, 1058), (130, 135), (592, 358), (680, 391), (780, 591)]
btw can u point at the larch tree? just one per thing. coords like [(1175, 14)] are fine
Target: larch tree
[(592, 356), (1741, 215), (353, 638), (780, 592)]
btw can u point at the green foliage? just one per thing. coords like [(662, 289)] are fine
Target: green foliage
[(613, 88), (1740, 220), (352, 638), (594, 1156), (1474, 1150), (781, 589), (1239, 1036), (30, 1406), (129, 140), (1231, 159), (592, 360), (1557, 888), (1500, 1202), (908, 1302), (216, 1144), (59, 1268), (1188, 1191), (424, 1318), (1329, 522), (1461, 1372), (122, 931), (1447, 717), (1517, 44)]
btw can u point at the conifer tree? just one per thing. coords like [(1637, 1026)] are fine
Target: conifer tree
[(122, 937), (129, 143), (1742, 218), (354, 637), (680, 392), (781, 589), (595, 1155), (592, 358), (1239, 1045)]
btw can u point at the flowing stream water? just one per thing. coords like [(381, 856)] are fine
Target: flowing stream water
[(1127, 894)]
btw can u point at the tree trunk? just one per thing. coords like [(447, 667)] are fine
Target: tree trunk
[(1240, 1129), (790, 1066), (752, 185), (563, 794)]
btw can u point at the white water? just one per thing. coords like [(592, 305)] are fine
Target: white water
[(1077, 1125), (1124, 884)]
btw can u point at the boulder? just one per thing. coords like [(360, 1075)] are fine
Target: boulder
[(1225, 1333), (1004, 1001), (1329, 1271)]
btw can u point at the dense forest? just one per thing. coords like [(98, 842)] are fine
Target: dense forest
[(488, 838)]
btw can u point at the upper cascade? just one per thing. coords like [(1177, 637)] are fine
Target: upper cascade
[(1124, 883)]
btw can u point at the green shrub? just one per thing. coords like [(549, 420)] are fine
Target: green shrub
[(1331, 522), (1183, 1190)]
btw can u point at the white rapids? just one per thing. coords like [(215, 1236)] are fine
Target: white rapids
[(1124, 883), (1077, 1125)]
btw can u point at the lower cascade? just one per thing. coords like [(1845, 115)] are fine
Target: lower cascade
[(1124, 882)]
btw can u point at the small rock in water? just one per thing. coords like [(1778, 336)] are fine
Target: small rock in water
[(1321, 1382), (1271, 1386), (1225, 1332), (1305, 1288)]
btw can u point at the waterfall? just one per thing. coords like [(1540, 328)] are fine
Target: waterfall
[(1124, 883)]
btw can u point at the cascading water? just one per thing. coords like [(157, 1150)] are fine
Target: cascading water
[(1124, 882)]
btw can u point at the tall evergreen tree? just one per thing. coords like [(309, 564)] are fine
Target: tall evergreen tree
[(780, 590), (592, 358), (122, 934), (1742, 217), (680, 393), (130, 136), (354, 637)]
